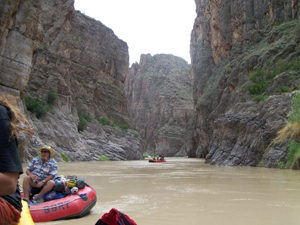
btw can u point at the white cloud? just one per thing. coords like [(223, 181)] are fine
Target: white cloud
[(155, 26)]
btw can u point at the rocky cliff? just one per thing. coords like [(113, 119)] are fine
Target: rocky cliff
[(159, 94), (241, 94), (48, 47)]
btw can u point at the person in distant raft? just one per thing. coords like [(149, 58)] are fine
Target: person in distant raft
[(40, 173), (13, 123)]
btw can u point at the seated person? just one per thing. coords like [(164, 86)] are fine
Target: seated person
[(40, 173)]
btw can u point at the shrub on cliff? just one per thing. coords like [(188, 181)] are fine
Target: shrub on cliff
[(40, 105), (51, 96), (262, 78), (113, 123), (83, 119), (104, 121)]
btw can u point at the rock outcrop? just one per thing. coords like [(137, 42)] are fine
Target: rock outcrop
[(159, 94), (230, 41), (48, 46)]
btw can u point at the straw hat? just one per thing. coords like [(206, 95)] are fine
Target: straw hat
[(47, 147)]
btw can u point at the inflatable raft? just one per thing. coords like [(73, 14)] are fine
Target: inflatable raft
[(156, 161), (26, 218), (71, 206)]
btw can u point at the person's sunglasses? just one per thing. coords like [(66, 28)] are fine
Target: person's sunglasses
[(45, 152)]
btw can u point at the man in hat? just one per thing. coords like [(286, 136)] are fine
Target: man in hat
[(40, 173)]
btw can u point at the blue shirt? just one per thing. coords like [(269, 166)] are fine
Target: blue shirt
[(43, 170)]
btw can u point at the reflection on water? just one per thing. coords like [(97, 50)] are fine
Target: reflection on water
[(187, 191)]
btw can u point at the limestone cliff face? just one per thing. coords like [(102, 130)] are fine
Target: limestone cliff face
[(231, 39), (159, 94), (47, 45)]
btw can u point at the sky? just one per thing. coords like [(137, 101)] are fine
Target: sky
[(147, 26)]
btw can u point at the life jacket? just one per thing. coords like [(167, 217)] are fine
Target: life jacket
[(115, 217)]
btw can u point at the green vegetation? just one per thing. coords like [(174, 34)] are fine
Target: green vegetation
[(79, 79), (113, 123), (294, 115), (103, 158), (64, 156), (281, 165), (291, 133), (257, 40), (40, 105), (122, 126), (104, 121), (36, 105), (282, 89), (294, 152), (150, 156), (228, 69), (259, 98), (291, 130), (262, 78), (83, 119), (51, 96)]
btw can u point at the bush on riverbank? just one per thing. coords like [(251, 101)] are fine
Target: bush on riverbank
[(64, 156), (103, 158), (291, 133)]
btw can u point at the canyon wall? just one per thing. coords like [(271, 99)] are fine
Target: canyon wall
[(48, 47), (159, 94), (230, 41)]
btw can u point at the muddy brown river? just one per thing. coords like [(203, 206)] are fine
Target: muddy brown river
[(186, 191)]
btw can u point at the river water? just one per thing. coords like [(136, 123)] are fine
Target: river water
[(186, 191)]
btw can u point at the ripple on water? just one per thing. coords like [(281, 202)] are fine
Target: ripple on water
[(189, 189), (245, 199), (129, 203), (284, 204)]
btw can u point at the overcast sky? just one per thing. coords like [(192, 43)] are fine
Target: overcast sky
[(147, 26)]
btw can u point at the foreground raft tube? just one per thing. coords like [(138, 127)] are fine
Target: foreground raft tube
[(26, 218), (71, 206), (156, 161)]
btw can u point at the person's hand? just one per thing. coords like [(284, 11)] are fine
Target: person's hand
[(34, 178)]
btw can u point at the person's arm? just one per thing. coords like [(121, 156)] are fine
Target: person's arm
[(8, 181)]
